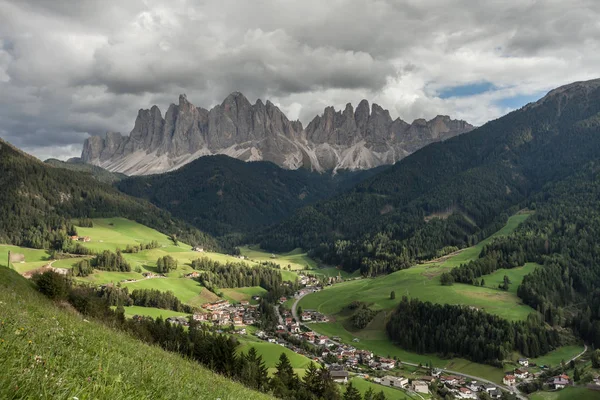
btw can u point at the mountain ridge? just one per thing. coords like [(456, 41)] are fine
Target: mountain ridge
[(350, 139)]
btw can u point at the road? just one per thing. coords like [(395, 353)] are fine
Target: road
[(580, 354), (477, 378)]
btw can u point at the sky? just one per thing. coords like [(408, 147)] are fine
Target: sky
[(74, 68)]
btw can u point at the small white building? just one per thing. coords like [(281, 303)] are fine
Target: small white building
[(392, 381), (420, 387), (524, 362)]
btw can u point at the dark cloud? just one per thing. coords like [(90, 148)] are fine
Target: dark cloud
[(71, 68)]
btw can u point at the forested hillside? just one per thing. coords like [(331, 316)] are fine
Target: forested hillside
[(37, 201), (75, 164), (470, 182), (223, 195)]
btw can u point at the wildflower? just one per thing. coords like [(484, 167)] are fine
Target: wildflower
[(30, 342), (38, 359)]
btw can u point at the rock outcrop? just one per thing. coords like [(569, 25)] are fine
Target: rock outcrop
[(350, 139)]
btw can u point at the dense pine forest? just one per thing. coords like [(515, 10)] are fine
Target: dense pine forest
[(467, 332), (231, 275), (452, 193), (37, 202), (223, 195)]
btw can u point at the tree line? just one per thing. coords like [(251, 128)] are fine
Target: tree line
[(235, 274), (460, 331)]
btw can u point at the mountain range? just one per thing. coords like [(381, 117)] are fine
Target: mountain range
[(336, 140), (452, 193)]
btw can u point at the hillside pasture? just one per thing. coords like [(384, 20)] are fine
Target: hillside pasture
[(423, 282)]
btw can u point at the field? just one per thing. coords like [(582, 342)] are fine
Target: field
[(47, 352), (390, 393), (579, 393), (113, 233), (34, 258), (421, 281), (555, 357), (296, 259), (515, 275), (152, 312), (241, 294), (270, 353)]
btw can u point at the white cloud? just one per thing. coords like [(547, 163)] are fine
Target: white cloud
[(71, 68)]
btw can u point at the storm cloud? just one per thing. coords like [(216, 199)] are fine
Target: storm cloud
[(74, 68)]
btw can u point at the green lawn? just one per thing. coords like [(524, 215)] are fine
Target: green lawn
[(49, 352), (578, 393)]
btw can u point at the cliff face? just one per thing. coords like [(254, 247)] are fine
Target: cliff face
[(348, 139)]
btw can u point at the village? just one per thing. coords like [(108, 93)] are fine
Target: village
[(345, 361)]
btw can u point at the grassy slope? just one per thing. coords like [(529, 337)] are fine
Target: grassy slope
[(34, 258), (152, 312), (390, 393), (88, 360), (555, 357), (297, 259), (421, 281), (579, 393)]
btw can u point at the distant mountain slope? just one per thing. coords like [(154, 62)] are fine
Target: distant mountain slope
[(225, 195), (348, 140), (477, 176), (36, 201), (75, 164)]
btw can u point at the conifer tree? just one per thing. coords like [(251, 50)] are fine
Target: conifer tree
[(352, 393)]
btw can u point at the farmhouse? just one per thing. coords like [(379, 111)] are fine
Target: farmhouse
[(559, 382), (338, 374), (449, 380), (194, 274), (524, 362), (509, 380), (198, 249), (392, 381), (387, 363), (306, 317), (216, 305), (521, 374), (84, 239), (465, 393)]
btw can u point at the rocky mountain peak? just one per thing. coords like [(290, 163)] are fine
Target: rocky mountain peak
[(359, 138)]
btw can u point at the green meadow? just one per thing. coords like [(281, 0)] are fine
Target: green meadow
[(423, 282), (569, 393), (296, 259), (152, 312), (555, 357), (49, 352), (390, 393), (34, 258)]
